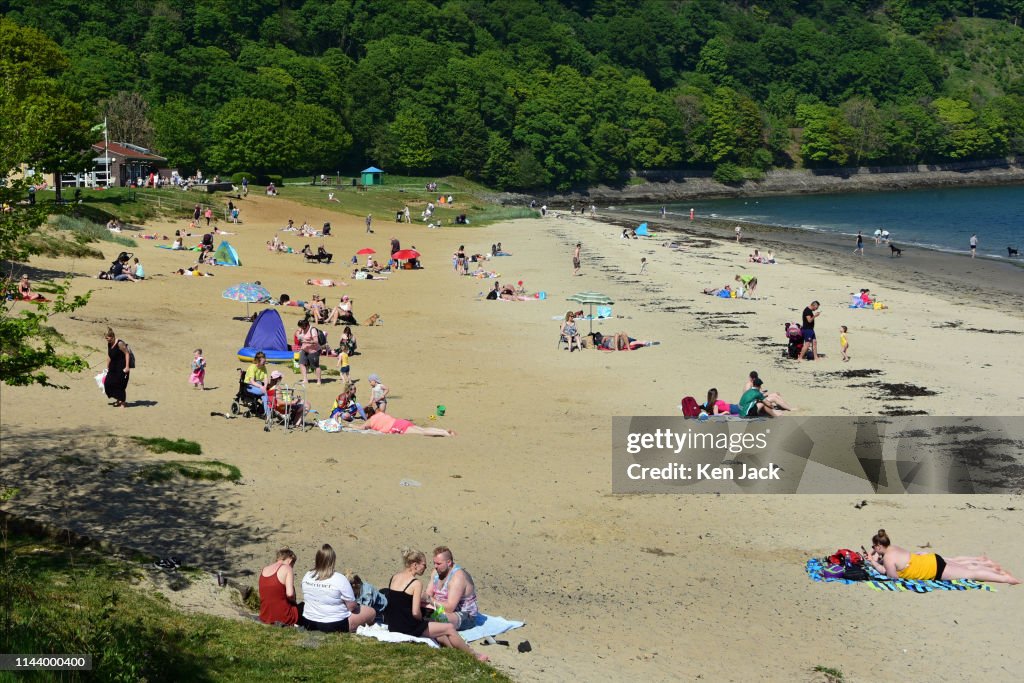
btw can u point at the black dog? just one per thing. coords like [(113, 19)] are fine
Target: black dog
[(1011, 252), (896, 251)]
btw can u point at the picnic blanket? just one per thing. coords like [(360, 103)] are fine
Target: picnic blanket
[(380, 632), (486, 626), (880, 582)]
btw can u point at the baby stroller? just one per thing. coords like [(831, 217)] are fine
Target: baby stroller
[(795, 337), (244, 403)]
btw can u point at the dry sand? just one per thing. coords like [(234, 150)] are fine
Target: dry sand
[(621, 587)]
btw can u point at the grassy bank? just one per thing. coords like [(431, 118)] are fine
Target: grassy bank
[(62, 600)]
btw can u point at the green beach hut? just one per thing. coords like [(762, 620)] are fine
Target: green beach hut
[(373, 176)]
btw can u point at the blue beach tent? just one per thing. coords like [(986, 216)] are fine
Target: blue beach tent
[(226, 255), (267, 334), (641, 230)]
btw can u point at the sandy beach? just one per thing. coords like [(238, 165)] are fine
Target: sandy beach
[(648, 587)]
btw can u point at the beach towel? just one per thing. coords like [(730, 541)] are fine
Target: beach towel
[(487, 625), (380, 632), (880, 582)]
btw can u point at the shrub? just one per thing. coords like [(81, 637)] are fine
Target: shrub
[(237, 178), (276, 179), (728, 174)]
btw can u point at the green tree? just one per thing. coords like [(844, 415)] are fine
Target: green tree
[(34, 112), (961, 135), (253, 135), (414, 152)]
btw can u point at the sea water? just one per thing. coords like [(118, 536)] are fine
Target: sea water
[(940, 219)]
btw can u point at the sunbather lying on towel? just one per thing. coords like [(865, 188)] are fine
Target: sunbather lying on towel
[(897, 562), (617, 342), (326, 283), (388, 424)]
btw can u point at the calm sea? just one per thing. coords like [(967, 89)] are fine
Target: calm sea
[(940, 219)]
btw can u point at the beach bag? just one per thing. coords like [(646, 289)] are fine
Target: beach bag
[(131, 354), (855, 572), (833, 571), (690, 407), (845, 556), (321, 337)]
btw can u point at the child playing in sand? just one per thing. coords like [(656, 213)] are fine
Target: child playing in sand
[(843, 344), (643, 265), (198, 370)]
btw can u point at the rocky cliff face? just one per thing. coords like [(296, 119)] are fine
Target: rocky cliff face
[(678, 187)]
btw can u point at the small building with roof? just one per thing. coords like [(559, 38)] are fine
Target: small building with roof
[(117, 163), (372, 176)]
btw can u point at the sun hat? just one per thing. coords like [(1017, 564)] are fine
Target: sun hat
[(276, 374), (374, 378)]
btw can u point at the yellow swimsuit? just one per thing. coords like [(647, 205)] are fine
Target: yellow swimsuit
[(921, 568)]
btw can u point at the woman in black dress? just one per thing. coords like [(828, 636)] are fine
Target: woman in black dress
[(116, 384), (404, 612)]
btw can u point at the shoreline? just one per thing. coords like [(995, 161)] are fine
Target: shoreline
[(988, 282), (792, 182)]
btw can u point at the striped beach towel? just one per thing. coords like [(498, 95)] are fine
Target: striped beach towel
[(880, 582)]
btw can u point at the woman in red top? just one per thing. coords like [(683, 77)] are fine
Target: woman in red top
[(277, 591)]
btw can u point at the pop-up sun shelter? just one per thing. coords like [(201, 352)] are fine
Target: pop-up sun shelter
[(267, 335), (641, 230), (226, 255)]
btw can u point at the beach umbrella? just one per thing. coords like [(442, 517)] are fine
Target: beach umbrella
[(591, 299), (405, 255), (364, 252), (249, 293)]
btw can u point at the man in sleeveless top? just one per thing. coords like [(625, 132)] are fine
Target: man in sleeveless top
[(451, 586)]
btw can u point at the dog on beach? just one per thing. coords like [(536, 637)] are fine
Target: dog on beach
[(896, 251), (1011, 252), (374, 319)]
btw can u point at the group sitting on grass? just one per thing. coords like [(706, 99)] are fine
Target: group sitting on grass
[(331, 604)]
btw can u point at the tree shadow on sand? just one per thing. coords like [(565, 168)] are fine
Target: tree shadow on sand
[(94, 484)]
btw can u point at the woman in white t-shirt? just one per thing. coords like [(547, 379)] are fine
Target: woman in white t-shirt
[(330, 605)]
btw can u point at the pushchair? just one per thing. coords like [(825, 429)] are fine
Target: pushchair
[(244, 403)]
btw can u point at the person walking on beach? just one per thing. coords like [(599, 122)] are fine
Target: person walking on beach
[(576, 259), (198, 376), (118, 367), (860, 244), (739, 234), (643, 265), (974, 245), (843, 344), (810, 314), (369, 223)]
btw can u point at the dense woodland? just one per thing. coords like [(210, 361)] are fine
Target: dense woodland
[(535, 94)]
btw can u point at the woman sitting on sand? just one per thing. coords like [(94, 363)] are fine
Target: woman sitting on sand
[(277, 590), (25, 292), (380, 421), (330, 604), (404, 611), (716, 406), (896, 562), (570, 333)]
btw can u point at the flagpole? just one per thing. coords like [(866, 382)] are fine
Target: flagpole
[(106, 150)]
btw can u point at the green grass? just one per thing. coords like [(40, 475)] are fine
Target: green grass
[(831, 675), (383, 201), (56, 599), (202, 470), (87, 231), (162, 445)]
